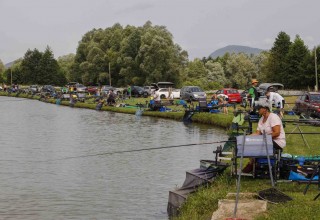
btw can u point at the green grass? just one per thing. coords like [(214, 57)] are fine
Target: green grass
[(203, 203)]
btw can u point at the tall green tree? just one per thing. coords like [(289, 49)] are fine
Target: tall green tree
[(196, 69), (240, 69), (215, 73), (314, 66), (131, 55), (2, 69), (260, 62), (14, 74), (277, 60), (50, 72), (30, 66), (297, 61), (65, 62)]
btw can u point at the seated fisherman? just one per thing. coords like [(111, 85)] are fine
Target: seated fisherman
[(155, 102), (214, 100), (111, 98), (271, 124)]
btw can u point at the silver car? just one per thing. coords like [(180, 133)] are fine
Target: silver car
[(81, 88), (192, 93)]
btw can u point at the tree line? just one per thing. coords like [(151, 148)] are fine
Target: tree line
[(132, 55)]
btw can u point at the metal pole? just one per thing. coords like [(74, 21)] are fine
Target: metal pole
[(109, 74), (11, 75), (316, 69)]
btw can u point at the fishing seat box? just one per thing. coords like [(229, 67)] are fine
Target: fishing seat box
[(254, 146)]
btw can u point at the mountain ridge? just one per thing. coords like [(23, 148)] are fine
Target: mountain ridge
[(235, 49)]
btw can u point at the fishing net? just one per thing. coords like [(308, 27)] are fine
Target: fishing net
[(274, 196)]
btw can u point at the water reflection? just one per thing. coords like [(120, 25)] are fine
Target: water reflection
[(47, 171)]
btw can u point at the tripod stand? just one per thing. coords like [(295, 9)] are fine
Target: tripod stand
[(316, 171)]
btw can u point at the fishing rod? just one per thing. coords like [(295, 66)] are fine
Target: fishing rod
[(137, 150), (303, 133), (18, 100)]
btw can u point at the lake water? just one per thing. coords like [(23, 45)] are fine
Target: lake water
[(55, 161)]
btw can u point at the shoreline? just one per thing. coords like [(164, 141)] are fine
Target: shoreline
[(216, 119)]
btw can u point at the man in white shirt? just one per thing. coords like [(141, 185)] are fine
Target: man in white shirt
[(277, 100), (156, 95)]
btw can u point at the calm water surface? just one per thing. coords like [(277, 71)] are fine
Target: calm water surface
[(53, 162)]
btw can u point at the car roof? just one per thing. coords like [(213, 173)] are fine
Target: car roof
[(229, 89), (265, 86), (314, 93)]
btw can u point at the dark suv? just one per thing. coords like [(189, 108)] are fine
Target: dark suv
[(309, 104), (138, 91)]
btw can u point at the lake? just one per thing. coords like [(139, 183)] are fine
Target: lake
[(57, 162)]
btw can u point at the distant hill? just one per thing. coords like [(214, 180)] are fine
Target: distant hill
[(8, 65), (235, 49)]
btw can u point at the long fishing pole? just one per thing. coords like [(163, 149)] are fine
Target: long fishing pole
[(137, 150), (13, 100)]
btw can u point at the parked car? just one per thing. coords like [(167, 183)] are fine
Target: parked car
[(81, 88), (149, 89), (105, 90), (69, 84), (163, 85), (272, 87), (308, 103), (92, 89), (233, 94), (164, 93), (48, 88), (192, 93), (138, 91), (33, 89)]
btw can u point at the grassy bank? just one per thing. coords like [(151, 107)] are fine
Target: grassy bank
[(201, 204), (176, 113)]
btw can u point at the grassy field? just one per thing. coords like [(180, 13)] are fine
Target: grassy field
[(201, 204)]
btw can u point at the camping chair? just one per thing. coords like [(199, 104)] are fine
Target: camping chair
[(255, 148)]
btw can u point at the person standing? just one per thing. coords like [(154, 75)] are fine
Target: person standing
[(223, 101), (253, 93), (156, 96), (129, 91)]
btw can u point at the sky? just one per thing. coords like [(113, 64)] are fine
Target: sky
[(199, 26)]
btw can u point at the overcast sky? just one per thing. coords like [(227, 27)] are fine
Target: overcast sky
[(198, 26)]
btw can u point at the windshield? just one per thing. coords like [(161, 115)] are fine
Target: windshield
[(196, 89), (315, 98), (233, 91)]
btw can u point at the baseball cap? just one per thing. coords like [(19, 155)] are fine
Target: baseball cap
[(262, 104)]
